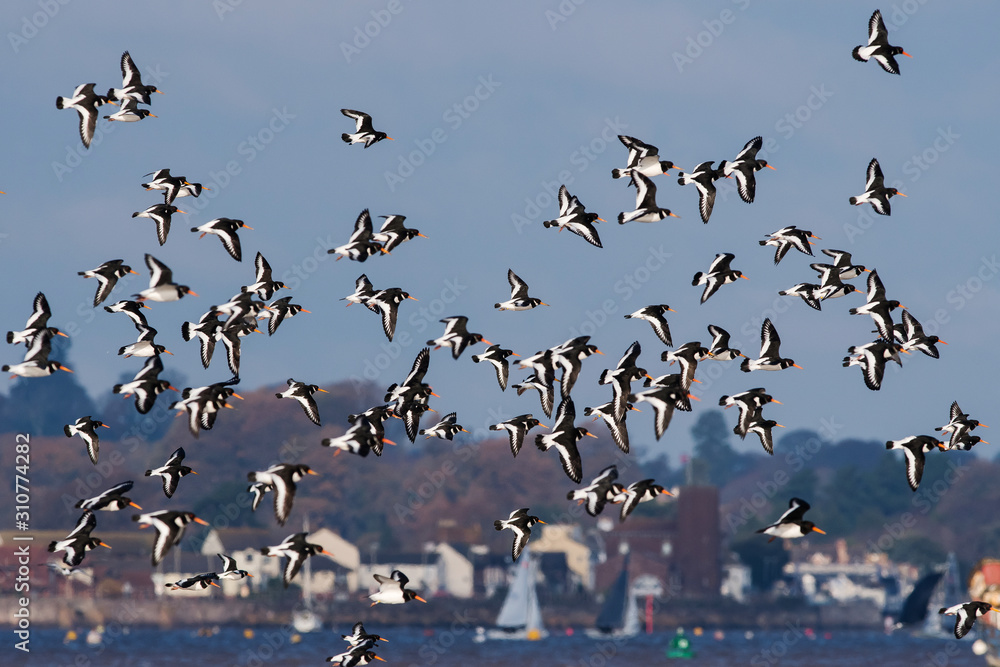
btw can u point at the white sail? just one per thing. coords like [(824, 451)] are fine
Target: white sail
[(520, 616)]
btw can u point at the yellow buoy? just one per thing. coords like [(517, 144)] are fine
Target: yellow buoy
[(534, 634)]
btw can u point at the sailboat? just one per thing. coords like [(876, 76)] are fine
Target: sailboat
[(304, 619), (520, 616), (619, 616)]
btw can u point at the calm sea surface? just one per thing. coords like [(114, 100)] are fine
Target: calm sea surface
[(445, 647)]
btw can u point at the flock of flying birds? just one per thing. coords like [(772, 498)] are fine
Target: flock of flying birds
[(408, 400)]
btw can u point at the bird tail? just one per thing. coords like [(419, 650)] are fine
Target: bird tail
[(621, 218), (853, 200), (604, 376), (117, 389), (539, 443), (888, 444), (147, 473), (496, 524), (186, 331), (745, 366), (722, 401), (346, 138), (69, 433), (857, 54), (616, 173), (59, 102), (52, 545), (548, 223)]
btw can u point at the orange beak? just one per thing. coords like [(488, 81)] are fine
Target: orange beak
[(134, 505), (819, 531), (201, 521)]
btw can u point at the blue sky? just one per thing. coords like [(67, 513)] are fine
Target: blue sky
[(492, 106)]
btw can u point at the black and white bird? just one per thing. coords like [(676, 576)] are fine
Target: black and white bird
[(360, 246), (303, 393), (787, 238), (497, 356), (161, 215), (620, 378), (393, 232), (598, 493), (110, 500), (517, 428), (911, 336), (719, 274), (643, 159), (703, 177), (664, 398), (520, 522), (85, 101), (456, 336), (363, 131), (393, 590), (444, 429), (107, 275), (36, 323), (132, 86), (761, 427), (573, 216), (386, 302), (132, 310), (743, 168), (172, 186), (146, 385), (966, 614), (872, 359), (642, 491), (282, 479), (519, 299), (229, 569), (563, 437), (878, 46), (831, 283), (655, 315), (359, 439), (646, 209), (79, 541), (145, 346), (86, 428), (296, 549), (355, 656), (280, 310), (719, 347), (770, 358), (225, 229), (878, 306), (875, 192), (616, 425), (914, 448), (171, 472), (161, 283), (791, 524), (363, 291), (206, 330), (359, 636), (810, 293), (843, 261), (130, 112), (544, 383), (687, 356), (958, 426), (264, 286), (198, 581), (169, 525), (748, 402)]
